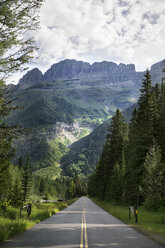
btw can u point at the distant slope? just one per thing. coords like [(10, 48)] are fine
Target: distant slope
[(84, 154), (43, 108)]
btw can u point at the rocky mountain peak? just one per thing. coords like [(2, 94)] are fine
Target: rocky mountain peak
[(128, 67), (106, 71), (30, 78), (157, 71), (66, 69)]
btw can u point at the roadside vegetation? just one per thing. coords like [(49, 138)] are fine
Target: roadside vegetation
[(150, 223), (11, 223)]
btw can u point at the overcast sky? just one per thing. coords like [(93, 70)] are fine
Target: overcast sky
[(127, 31)]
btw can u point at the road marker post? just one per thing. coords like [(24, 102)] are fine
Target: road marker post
[(136, 216)]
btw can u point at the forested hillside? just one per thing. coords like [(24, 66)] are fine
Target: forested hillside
[(131, 168), (84, 154)]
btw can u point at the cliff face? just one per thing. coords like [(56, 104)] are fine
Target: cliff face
[(67, 69), (107, 72), (156, 71), (103, 71)]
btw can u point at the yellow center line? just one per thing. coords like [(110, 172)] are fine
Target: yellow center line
[(84, 230), (82, 227)]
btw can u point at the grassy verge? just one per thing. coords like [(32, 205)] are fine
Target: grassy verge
[(12, 224), (149, 223)]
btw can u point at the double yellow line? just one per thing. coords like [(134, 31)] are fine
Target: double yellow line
[(84, 231)]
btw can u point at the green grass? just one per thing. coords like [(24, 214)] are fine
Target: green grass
[(151, 224), (11, 224)]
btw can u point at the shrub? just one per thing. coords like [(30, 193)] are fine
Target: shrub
[(154, 203)]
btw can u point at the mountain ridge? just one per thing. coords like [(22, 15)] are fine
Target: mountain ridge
[(105, 72), (73, 69)]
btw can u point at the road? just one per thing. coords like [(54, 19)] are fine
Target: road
[(81, 225)]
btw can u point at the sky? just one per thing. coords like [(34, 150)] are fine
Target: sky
[(122, 31)]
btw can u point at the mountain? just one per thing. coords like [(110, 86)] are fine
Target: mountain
[(87, 91), (68, 102), (71, 69), (31, 77)]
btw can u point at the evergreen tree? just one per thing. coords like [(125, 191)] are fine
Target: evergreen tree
[(116, 187), (16, 194), (112, 153), (78, 188), (42, 186), (161, 123), (71, 190), (27, 180), (93, 185), (20, 163), (114, 191), (118, 138), (141, 135), (152, 182), (146, 113), (100, 177)]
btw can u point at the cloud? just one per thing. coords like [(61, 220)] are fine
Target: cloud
[(127, 31)]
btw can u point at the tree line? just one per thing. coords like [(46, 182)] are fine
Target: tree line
[(131, 169)]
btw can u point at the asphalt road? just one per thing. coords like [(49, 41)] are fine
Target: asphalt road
[(81, 225)]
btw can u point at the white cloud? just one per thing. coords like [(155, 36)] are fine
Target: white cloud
[(128, 31)]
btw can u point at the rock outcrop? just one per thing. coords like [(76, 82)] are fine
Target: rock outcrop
[(103, 71), (156, 72), (30, 78)]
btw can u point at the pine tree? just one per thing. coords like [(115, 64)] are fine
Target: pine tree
[(16, 194), (77, 185), (152, 182), (71, 190), (114, 191), (27, 180), (20, 163), (112, 153), (146, 113), (118, 138), (141, 135), (161, 123), (100, 175)]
